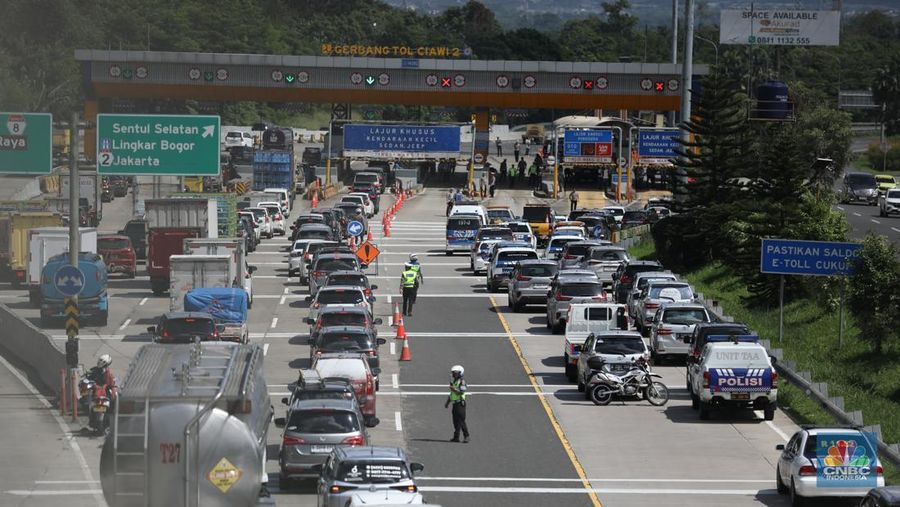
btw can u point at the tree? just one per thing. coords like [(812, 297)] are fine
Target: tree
[(886, 91), (873, 297)]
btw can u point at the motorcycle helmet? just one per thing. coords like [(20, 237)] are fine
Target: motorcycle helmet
[(104, 361), (457, 369), (413, 257)]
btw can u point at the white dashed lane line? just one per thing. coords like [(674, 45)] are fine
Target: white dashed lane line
[(856, 214), (875, 221)]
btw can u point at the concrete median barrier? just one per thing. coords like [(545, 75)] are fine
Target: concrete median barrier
[(32, 347)]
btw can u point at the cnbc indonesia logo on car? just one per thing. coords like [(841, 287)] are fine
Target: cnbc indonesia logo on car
[(846, 460)]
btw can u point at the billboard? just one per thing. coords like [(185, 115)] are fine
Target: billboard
[(401, 141), (812, 258), (780, 27), (588, 147), (657, 145)]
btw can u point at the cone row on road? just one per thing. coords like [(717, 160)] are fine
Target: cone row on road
[(405, 354), (401, 330), (396, 320)]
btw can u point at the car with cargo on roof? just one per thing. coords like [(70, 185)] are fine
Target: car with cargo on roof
[(354, 367)]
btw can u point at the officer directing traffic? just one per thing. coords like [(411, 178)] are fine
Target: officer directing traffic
[(458, 395), (415, 266), (409, 285)]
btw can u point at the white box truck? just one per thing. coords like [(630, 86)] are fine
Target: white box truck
[(152, 187), (184, 213), (47, 242), (233, 247), (188, 272)]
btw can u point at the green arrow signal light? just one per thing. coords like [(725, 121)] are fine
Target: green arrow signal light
[(127, 73), (289, 78), (370, 80), (208, 75)]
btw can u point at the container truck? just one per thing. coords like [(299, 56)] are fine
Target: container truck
[(47, 242), (189, 428), (226, 209), (273, 165), (93, 301), (152, 187), (162, 243), (233, 247), (88, 188), (228, 307), (188, 272), (14, 241)]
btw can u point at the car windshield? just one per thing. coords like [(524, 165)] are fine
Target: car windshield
[(232, 135), (259, 213), (358, 280), (501, 214), (336, 265), (608, 255), (517, 227), (300, 246), (498, 233), (635, 215), (309, 220), (315, 247), (559, 243), (536, 214), (339, 296), (365, 178), (893, 194), (619, 345), (342, 319), (581, 289), (341, 341), (684, 316), (324, 394), (515, 256), (315, 233), (861, 180), (577, 250), (189, 326), (372, 472), (322, 422), (463, 224), (658, 291), (112, 243), (541, 270)]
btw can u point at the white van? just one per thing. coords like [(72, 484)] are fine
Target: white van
[(284, 198), (470, 209), (733, 374), (584, 319)]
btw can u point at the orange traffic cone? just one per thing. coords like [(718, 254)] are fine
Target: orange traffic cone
[(405, 354), (369, 236), (315, 198), (387, 229), (401, 330), (396, 320)]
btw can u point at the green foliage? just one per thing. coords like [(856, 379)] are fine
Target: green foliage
[(886, 91), (881, 162), (874, 292)]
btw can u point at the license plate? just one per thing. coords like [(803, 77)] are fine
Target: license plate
[(740, 396), (321, 449), (541, 286), (101, 408)]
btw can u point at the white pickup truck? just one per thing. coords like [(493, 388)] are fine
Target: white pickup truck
[(586, 318)]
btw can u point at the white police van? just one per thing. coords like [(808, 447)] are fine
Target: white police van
[(733, 371)]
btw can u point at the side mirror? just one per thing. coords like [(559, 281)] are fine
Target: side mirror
[(309, 321), (773, 359), (615, 276), (416, 467), (378, 321), (779, 447), (308, 299), (311, 341), (279, 422), (252, 269), (687, 339), (284, 400), (374, 287), (577, 348), (376, 371), (381, 341), (151, 329), (364, 266)]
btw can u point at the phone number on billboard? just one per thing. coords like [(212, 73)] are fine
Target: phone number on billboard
[(784, 41)]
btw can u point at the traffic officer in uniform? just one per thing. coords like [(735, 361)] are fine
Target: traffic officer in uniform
[(409, 285), (458, 395)]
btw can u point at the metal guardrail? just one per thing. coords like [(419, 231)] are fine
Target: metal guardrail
[(817, 391), (858, 128)]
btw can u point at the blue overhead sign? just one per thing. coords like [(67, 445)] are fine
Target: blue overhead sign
[(657, 143), (814, 258), (587, 146), (401, 141)]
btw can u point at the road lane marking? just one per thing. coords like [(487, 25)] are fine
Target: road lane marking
[(592, 495), (282, 300), (840, 208), (265, 348), (876, 221), (397, 422), (777, 430), (605, 479), (63, 427), (395, 379), (592, 492), (895, 229), (287, 290), (393, 349), (274, 323), (143, 301), (55, 492), (856, 214), (67, 482), (125, 324)]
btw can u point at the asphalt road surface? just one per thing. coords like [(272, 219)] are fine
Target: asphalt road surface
[(535, 440)]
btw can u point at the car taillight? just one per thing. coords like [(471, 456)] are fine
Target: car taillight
[(774, 380), (651, 306), (664, 330), (356, 440), (370, 385), (339, 489), (307, 256), (278, 217), (879, 470), (806, 470), (165, 333), (317, 305), (407, 489), (372, 353), (292, 441), (599, 297), (368, 291), (706, 380), (523, 278), (318, 273), (624, 278), (571, 256), (560, 297)]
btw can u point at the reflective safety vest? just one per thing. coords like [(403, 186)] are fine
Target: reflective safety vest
[(454, 396), (418, 269), (408, 278)]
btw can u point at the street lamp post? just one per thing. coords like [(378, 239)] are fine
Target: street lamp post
[(716, 46)]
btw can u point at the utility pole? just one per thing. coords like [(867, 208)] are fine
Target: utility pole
[(672, 117), (687, 68), (74, 218)]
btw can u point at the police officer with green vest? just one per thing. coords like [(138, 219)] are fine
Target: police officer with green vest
[(409, 285), (458, 395)]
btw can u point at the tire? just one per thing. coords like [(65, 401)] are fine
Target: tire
[(130, 275), (518, 307), (796, 500), (571, 371), (704, 410), (448, 253), (662, 394), (602, 394), (695, 401), (103, 319), (285, 483), (549, 325), (779, 486), (559, 327), (769, 412), (581, 386)]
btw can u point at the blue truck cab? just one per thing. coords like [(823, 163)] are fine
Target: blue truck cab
[(93, 301)]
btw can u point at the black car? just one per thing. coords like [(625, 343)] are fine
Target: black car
[(623, 278), (310, 386), (184, 327), (119, 186), (859, 187), (136, 230), (887, 496), (357, 339)]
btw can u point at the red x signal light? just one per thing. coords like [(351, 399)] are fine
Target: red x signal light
[(445, 82), (659, 86), (587, 84)]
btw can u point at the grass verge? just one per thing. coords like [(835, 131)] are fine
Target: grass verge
[(868, 382)]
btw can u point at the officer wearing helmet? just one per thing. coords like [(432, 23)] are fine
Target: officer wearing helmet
[(457, 397), (409, 285), (101, 375), (415, 266)]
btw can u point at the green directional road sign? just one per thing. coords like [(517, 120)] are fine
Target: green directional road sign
[(26, 143), (180, 145)]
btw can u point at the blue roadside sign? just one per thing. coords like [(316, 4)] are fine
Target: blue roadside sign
[(355, 228), (69, 280), (813, 258)]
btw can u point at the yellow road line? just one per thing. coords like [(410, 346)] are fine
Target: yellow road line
[(544, 403)]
